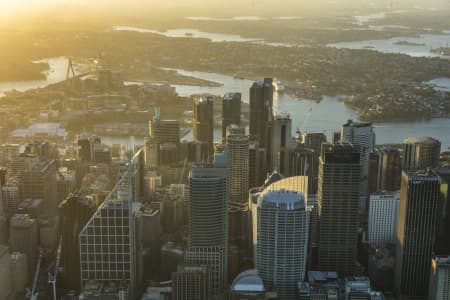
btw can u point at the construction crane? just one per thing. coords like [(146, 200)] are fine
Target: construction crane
[(52, 277), (70, 70), (32, 294)]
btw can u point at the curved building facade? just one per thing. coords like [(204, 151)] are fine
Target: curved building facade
[(283, 230)]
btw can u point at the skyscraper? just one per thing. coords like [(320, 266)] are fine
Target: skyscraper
[(261, 111), (416, 231), (283, 229), (23, 237), (439, 278), (304, 161), (383, 212), (165, 136), (361, 134), (208, 222), (314, 140), (281, 142), (75, 211), (238, 175), (385, 170), (192, 282), (203, 122), (421, 153), (338, 198), (231, 112), (109, 242)]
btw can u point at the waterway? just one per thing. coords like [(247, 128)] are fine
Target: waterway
[(55, 73)]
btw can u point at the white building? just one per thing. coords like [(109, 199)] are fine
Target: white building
[(282, 246), (383, 213)]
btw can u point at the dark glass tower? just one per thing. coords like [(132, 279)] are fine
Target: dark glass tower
[(417, 225), (231, 111), (338, 199)]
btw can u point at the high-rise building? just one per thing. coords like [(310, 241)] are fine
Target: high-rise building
[(304, 161), (439, 278), (338, 198), (361, 134), (421, 153), (231, 112), (75, 212), (383, 212), (165, 135), (314, 140), (385, 169), (215, 259), (261, 111), (238, 176), (281, 142), (258, 168), (110, 241), (283, 229), (39, 182), (192, 282), (23, 237), (203, 122), (416, 230), (208, 222), (442, 240)]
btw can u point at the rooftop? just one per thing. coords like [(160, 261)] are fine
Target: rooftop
[(248, 281), (282, 199), (421, 140)]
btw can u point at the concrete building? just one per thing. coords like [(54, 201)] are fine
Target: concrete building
[(203, 122), (416, 231), (338, 198), (383, 213), (314, 140), (421, 153), (281, 142), (282, 245), (165, 135), (385, 169), (23, 237), (231, 112), (361, 134), (19, 273), (304, 161), (439, 278), (192, 282)]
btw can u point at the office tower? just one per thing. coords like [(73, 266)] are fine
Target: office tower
[(208, 206), (166, 138), (192, 282), (23, 237), (385, 169), (11, 195), (238, 165), (109, 242), (338, 198), (150, 152), (281, 142), (416, 231), (439, 278), (19, 273), (75, 212), (314, 140), (357, 288), (283, 229), (151, 243), (442, 241), (238, 176), (304, 161), (231, 112), (5, 274), (39, 182), (421, 153), (203, 122), (258, 167), (361, 134), (102, 154), (261, 112), (86, 144), (208, 224), (215, 259), (383, 213)]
